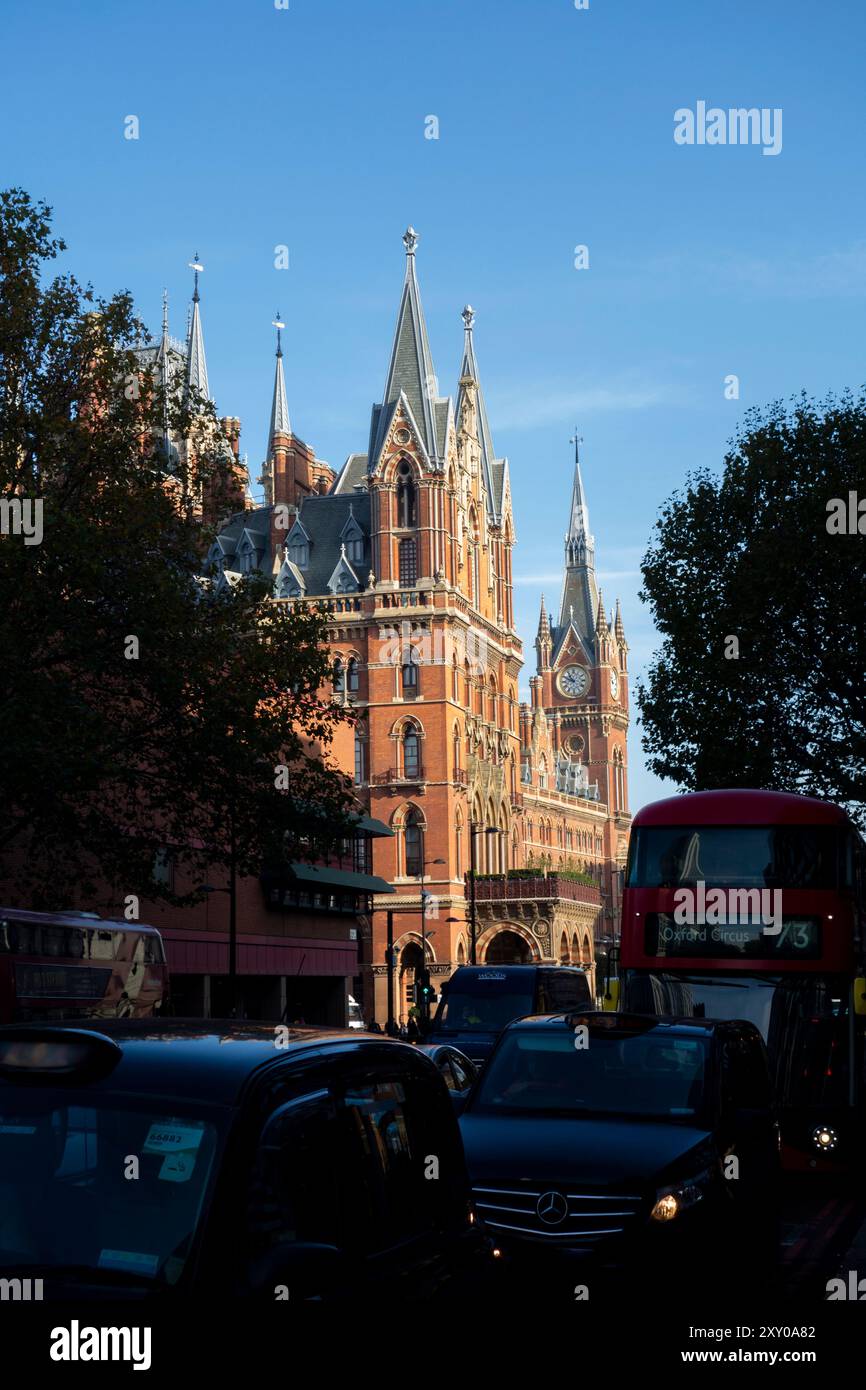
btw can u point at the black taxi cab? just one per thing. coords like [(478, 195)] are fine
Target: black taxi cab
[(157, 1157)]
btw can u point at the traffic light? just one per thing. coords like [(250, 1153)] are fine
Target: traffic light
[(424, 990)]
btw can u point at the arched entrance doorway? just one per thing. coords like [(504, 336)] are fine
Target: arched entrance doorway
[(507, 948), (410, 962)]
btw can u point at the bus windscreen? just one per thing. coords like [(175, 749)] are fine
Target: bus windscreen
[(781, 856)]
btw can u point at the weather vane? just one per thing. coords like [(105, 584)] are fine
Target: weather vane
[(196, 265)]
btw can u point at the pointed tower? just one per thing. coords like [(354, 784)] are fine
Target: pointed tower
[(579, 602), (164, 369), (411, 377), (469, 375), (196, 365), (279, 407), (542, 640), (279, 429)]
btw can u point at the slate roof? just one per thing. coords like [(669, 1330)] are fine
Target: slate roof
[(323, 519), (354, 471), (258, 521)]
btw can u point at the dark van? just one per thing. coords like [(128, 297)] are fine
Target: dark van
[(282, 1164), (479, 1001)]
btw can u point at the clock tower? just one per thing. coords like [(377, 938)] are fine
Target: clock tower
[(583, 670)]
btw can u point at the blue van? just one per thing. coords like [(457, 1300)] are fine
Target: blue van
[(479, 1001)]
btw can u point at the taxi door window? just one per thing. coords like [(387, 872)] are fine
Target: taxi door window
[(390, 1132), (295, 1186)]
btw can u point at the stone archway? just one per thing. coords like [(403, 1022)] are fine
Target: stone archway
[(508, 944)]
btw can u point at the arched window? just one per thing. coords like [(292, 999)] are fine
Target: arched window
[(411, 752), (360, 760), (407, 507), (619, 779), (455, 743), (413, 837), (461, 953), (339, 675), (408, 562), (352, 673), (491, 702), (455, 681), (458, 831), (409, 677), (542, 773)]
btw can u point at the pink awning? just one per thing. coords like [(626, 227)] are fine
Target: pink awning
[(207, 953)]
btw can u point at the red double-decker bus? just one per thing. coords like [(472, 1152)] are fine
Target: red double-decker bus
[(750, 904), (78, 965)]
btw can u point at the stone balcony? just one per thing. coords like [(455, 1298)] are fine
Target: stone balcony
[(541, 886)]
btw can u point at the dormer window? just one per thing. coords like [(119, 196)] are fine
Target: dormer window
[(353, 538), (298, 546)]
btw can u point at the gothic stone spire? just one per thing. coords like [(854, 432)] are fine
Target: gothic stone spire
[(579, 601), (410, 370), (196, 366), (280, 423)]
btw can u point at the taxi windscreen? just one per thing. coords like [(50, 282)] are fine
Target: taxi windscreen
[(89, 1184), (643, 1075), (482, 1005)]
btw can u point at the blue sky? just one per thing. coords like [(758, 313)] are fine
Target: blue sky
[(306, 127)]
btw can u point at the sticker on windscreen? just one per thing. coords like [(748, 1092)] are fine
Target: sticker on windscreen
[(178, 1142), (172, 1136)]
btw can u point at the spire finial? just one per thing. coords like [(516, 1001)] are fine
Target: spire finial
[(410, 240), (279, 326), (165, 313), (468, 317), (576, 440), (195, 264)]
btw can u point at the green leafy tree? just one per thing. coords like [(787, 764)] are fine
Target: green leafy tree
[(137, 711), (758, 592)]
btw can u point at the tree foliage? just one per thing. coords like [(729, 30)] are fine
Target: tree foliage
[(755, 556), (137, 711)]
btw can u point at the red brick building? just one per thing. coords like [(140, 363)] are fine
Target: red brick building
[(409, 551)]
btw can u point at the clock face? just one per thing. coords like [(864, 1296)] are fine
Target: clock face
[(574, 680), (614, 683)]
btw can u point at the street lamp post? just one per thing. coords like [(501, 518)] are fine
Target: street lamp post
[(473, 831), (424, 899)]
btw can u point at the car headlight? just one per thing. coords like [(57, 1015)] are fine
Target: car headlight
[(825, 1139), (672, 1201)]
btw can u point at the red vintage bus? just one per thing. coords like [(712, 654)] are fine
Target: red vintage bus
[(782, 945), (78, 965)]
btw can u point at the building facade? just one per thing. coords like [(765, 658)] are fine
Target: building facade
[(408, 551)]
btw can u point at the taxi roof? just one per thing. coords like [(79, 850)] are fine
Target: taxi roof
[(613, 1023), (196, 1059)]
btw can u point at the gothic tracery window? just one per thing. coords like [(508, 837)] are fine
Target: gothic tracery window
[(407, 500)]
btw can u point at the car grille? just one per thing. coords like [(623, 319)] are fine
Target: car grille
[(571, 1216)]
